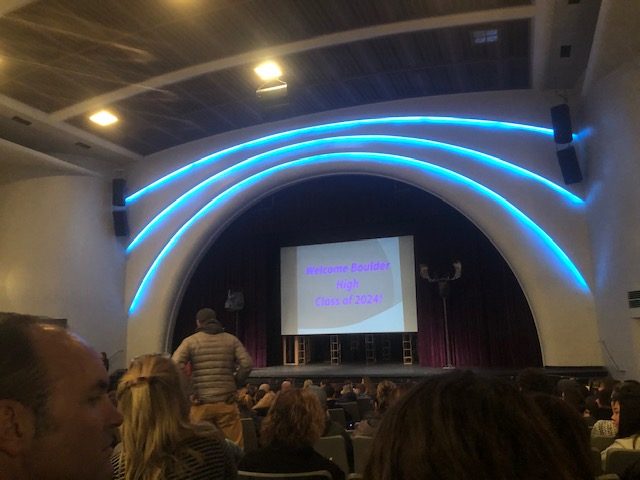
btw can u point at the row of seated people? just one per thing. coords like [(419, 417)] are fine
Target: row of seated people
[(454, 425)]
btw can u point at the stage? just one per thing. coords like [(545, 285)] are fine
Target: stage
[(394, 371)]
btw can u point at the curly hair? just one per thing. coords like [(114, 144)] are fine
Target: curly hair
[(295, 419)]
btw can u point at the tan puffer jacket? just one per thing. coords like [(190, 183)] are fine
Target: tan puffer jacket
[(219, 363)]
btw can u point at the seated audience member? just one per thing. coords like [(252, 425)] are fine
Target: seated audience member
[(386, 394), (294, 423), (332, 428), (330, 390), (263, 399), (534, 380), (347, 394), (590, 406), (56, 419), (625, 404), (286, 385), (604, 428), (245, 406), (460, 425), (245, 400), (158, 441), (307, 383), (568, 426), (603, 402), (369, 387)]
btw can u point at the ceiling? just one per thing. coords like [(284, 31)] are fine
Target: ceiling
[(179, 70)]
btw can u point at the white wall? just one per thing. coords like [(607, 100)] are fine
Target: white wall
[(612, 108), (565, 318), (60, 258)]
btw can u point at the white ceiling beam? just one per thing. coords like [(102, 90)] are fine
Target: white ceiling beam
[(18, 156), (324, 41), (31, 113)]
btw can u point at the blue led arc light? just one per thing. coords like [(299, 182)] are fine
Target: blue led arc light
[(391, 139), (361, 157), (334, 126)]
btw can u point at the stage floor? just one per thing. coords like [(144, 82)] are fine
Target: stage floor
[(319, 371)]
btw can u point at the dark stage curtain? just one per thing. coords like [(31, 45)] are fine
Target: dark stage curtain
[(490, 323)]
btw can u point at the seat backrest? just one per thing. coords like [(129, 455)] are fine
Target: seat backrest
[(600, 442), (361, 451), (618, 460), (338, 416), (596, 461), (315, 475), (365, 405), (249, 434), (335, 449), (352, 411)]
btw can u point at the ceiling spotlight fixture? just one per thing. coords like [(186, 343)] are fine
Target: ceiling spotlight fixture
[(103, 118), (268, 70), (273, 92)]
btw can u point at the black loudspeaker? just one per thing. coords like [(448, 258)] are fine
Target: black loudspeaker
[(120, 223), (119, 186), (561, 120), (569, 165)]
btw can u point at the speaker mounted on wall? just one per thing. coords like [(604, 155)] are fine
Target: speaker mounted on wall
[(561, 121), (119, 187), (120, 223), (569, 165)]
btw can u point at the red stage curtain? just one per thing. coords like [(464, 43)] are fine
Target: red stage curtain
[(490, 322)]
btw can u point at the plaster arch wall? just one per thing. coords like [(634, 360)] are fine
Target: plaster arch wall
[(490, 194)]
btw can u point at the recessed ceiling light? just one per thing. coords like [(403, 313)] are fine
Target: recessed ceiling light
[(103, 118), (268, 71)]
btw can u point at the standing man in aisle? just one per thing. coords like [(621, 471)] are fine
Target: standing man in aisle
[(219, 363)]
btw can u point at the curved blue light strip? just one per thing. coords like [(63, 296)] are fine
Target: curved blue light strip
[(328, 127), (396, 140), (358, 157)]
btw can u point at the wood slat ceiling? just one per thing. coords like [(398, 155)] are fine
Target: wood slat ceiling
[(58, 53)]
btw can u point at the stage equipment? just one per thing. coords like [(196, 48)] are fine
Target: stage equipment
[(443, 289), (561, 121), (569, 165), (234, 303), (118, 192)]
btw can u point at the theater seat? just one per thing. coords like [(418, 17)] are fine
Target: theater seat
[(335, 449), (249, 435), (361, 451), (618, 460)]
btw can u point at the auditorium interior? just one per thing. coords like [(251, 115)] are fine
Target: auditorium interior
[(500, 135)]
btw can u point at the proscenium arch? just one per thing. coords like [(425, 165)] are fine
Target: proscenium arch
[(334, 127), (544, 282), (340, 143)]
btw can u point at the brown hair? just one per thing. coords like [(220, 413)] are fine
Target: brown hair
[(386, 395), (295, 419), (569, 427), (461, 425), (23, 374)]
